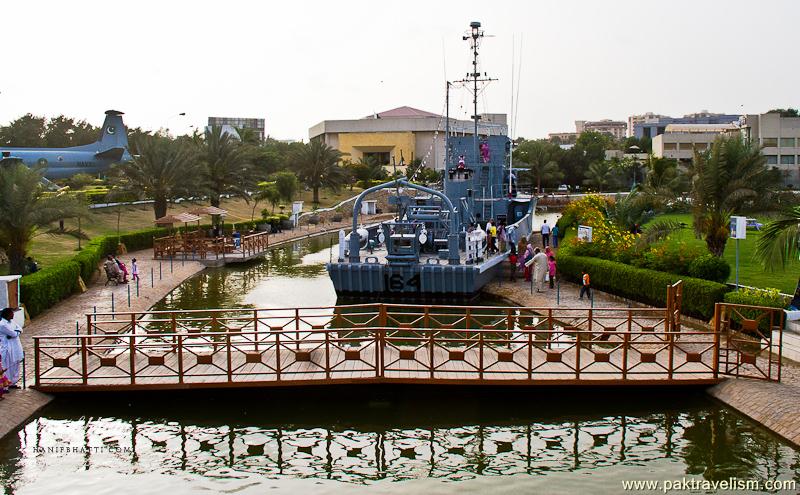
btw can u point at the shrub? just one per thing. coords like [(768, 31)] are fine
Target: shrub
[(771, 298), (646, 286), (43, 289), (669, 257), (710, 267)]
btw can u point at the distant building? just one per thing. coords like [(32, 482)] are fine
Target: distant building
[(780, 141), (651, 125), (258, 125), (680, 141), (615, 128), (402, 133), (563, 137)]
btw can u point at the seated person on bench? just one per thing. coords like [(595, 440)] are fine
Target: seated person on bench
[(112, 270)]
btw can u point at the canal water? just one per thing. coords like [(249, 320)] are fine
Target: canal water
[(377, 439)]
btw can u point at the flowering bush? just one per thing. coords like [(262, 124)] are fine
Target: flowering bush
[(609, 241)]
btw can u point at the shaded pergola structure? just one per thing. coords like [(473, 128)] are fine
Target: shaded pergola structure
[(212, 250)]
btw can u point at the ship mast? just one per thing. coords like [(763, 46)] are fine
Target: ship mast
[(475, 35)]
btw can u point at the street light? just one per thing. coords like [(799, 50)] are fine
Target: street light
[(635, 151)]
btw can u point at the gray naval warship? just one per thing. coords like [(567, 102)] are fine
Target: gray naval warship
[(437, 244)]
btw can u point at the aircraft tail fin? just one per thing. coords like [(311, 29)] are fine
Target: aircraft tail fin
[(114, 133)]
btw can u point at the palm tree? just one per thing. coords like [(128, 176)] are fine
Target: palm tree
[(780, 240), (317, 166), (731, 173), (25, 207), (599, 175), (161, 169), (541, 157), (367, 169), (226, 165)]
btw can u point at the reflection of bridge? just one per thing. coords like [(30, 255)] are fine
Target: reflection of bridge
[(412, 450), (211, 251), (384, 343)]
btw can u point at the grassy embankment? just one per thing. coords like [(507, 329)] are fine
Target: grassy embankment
[(48, 250), (751, 272)]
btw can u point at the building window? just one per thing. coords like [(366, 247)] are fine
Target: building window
[(769, 142), (772, 159), (787, 159), (660, 130), (670, 146), (787, 142), (382, 157)]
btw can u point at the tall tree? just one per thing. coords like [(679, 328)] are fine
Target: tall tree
[(227, 166), (599, 175), (162, 169), (541, 158), (317, 166), (728, 175), (26, 207), (26, 131), (286, 185)]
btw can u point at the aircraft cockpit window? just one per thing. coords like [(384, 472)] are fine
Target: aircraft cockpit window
[(111, 129)]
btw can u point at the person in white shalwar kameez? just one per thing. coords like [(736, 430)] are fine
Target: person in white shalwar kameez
[(11, 353)]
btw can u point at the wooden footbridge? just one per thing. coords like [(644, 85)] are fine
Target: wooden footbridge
[(393, 343), (211, 251)]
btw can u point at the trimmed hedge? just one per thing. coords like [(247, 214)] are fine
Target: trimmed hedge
[(46, 287), (646, 286), (43, 289)]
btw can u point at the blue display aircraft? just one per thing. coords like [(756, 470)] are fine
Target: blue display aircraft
[(93, 159)]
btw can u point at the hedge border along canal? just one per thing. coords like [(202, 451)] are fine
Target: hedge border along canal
[(642, 285), (43, 289)]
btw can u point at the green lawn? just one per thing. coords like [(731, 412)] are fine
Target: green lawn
[(750, 271)]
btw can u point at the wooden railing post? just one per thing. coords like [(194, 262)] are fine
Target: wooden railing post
[(174, 323), (530, 355), (36, 365), (132, 353), (671, 353), (715, 359), (84, 364), (432, 345), (88, 324), (278, 356), (297, 327), (230, 363), (180, 358), (327, 355), (626, 338), (480, 355), (578, 349), (255, 328)]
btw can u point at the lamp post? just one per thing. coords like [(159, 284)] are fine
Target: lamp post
[(635, 151)]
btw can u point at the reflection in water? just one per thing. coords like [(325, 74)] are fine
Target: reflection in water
[(398, 440), (291, 275)]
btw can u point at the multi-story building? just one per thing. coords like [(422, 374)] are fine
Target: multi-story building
[(258, 125), (403, 133), (616, 128), (780, 140), (651, 125), (680, 141), (563, 137)]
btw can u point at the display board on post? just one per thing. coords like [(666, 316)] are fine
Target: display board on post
[(738, 231)]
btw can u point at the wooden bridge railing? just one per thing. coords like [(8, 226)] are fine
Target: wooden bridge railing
[(373, 354), (197, 246)]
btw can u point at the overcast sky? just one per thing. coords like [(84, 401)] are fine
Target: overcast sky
[(296, 63)]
